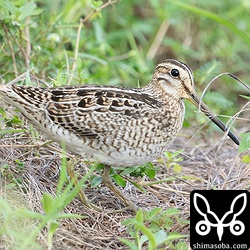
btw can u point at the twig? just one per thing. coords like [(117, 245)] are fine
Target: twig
[(76, 50), (98, 10), (11, 48), (19, 78), (215, 78), (28, 45), (171, 189), (168, 179), (19, 45), (82, 21), (158, 40)]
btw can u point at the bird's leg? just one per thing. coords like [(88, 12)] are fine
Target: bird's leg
[(70, 170), (108, 182)]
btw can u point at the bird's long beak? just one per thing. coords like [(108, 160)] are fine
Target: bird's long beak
[(203, 107)]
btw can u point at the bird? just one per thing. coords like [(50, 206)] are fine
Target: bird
[(115, 126)]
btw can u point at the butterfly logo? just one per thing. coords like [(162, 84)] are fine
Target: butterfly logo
[(210, 219)]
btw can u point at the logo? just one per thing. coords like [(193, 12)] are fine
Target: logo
[(219, 219)]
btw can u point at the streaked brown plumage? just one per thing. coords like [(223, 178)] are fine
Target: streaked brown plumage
[(113, 125)]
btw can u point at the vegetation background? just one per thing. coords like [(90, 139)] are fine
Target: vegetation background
[(119, 43)]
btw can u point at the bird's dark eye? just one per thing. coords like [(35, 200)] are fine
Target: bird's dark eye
[(175, 72)]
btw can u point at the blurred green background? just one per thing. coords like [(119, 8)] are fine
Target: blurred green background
[(122, 41)]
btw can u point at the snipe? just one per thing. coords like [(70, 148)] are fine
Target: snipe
[(115, 126)]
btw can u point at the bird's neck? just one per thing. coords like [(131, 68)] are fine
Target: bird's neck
[(166, 95)]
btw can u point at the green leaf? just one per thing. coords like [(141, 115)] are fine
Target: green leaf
[(63, 173), (96, 181), (216, 97), (245, 142), (47, 202), (97, 4), (23, 212), (172, 211), (150, 173), (99, 166), (11, 131), (176, 236), (128, 170), (139, 216), (160, 237), (15, 120), (177, 168), (246, 97), (119, 180), (153, 212), (181, 246), (127, 222), (53, 225), (27, 80), (208, 71), (20, 163), (26, 10), (143, 239), (152, 240), (130, 244), (8, 5), (246, 159)]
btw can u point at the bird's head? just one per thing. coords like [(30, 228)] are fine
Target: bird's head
[(177, 81)]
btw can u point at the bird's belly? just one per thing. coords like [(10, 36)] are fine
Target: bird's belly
[(114, 151), (123, 146), (124, 155)]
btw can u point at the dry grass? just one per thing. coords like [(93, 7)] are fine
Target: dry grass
[(205, 166)]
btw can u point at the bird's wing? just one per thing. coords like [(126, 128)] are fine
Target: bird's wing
[(87, 111), (92, 110)]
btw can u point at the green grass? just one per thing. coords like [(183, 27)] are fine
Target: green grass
[(20, 225), (151, 228), (112, 48)]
